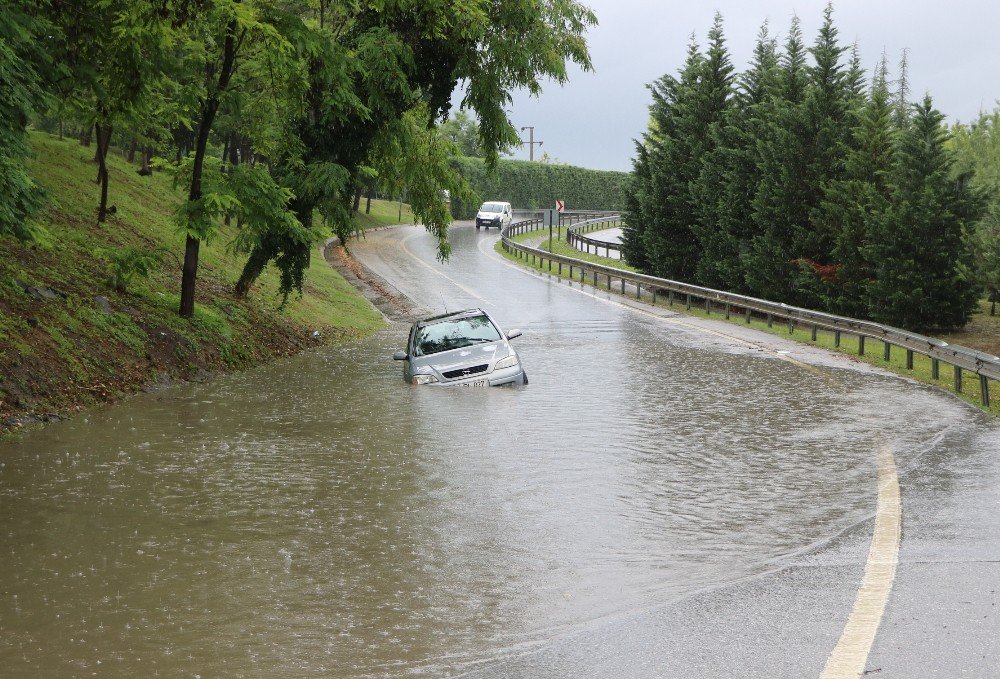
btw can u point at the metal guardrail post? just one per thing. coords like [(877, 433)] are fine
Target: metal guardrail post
[(984, 390), (958, 379), (861, 345)]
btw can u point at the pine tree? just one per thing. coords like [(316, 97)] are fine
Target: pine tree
[(668, 240), (779, 204), (977, 151), (683, 114), (729, 175), (635, 217), (641, 213), (855, 206), (923, 274)]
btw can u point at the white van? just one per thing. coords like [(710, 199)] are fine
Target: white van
[(494, 213)]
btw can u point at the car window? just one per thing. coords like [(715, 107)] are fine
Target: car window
[(491, 207), (454, 334)]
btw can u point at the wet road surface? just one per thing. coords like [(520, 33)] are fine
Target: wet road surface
[(668, 498)]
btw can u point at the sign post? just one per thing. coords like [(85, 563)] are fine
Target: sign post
[(550, 218), (560, 206)]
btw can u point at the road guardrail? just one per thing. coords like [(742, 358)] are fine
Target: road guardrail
[(961, 359), (580, 242)]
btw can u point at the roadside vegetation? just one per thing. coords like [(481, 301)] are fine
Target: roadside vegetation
[(205, 150), (982, 333), (89, 313), (808, 181)]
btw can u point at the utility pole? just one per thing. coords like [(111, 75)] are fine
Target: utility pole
[(531, 142)]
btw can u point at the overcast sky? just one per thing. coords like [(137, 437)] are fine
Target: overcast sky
[(954, 54)]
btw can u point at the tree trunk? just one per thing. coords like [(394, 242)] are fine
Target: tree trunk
[(271, 247), (209, 108), (85, 135), (357, 200), (189, 275), (131, 150), (251, 271), (146, 169), (103, 142), (368, 205)]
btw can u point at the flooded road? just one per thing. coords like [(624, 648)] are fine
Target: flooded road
[(319, 517)]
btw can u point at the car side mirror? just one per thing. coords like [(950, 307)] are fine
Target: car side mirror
[(400, 356), (513, 333)]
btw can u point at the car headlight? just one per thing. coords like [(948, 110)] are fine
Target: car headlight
[(423, 379), (508, 362)]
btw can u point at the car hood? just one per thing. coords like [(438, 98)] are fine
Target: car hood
[(488, 215), (455, 359)]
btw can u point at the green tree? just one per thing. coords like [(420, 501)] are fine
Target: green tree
[(24, 64), (684, 113), (803, 151), (729, 175), (462, 130), (977, 155), (856, 206), (642, 213), (371, 71), (779, 202), (215, 37), (923, 266)]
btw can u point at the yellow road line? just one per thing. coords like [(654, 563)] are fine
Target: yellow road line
[(850, 656)]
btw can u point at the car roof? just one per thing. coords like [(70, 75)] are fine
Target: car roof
[(448, 316)]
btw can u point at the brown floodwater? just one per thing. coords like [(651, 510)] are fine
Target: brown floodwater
[(318, 517)]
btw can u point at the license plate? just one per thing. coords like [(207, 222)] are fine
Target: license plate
[(475, 383)]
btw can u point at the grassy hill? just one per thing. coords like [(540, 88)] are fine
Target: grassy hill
[(68, 340)]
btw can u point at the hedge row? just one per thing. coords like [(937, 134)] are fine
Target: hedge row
[(532, 185)]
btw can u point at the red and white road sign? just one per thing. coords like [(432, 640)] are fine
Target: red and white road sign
[(560, 205)]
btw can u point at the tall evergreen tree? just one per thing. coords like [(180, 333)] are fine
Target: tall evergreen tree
[(977, 151), (24, 63), (855, 207), (667, 239), (780, 202), (729, 174), (684, 113), (635, 216), (923, 272)]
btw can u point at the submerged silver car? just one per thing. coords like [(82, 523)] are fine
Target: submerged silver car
[(465, 348)]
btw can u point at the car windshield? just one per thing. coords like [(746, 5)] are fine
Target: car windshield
[(453, 334), (491, 207)]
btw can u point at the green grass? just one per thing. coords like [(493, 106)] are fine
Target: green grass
[(52, 352), (383, 213), (983, 328)]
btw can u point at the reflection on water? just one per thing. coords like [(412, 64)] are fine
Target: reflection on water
[(321, 517)]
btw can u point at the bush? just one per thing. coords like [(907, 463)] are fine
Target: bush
[(533, 185)]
